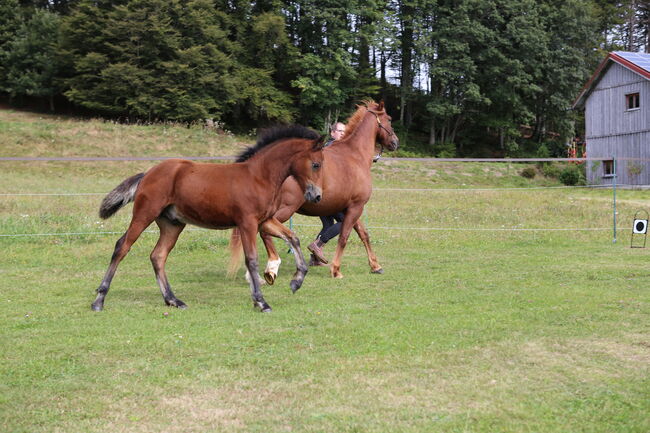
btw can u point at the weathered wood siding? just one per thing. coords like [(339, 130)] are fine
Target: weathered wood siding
[(612, 130), (628, 146)]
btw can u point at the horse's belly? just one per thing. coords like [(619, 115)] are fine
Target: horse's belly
[(323, 208), (211, 220)]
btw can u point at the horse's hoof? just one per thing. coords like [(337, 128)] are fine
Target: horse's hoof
[(377, 271), (176, 303), (269, 278), (96, 307), (262, 306), (295, 285), (337, 274)]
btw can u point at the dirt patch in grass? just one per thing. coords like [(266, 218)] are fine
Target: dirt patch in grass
[(492, 380), (634, 353), (212, 409)]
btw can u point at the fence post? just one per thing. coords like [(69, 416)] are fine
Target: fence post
[(615, 170)]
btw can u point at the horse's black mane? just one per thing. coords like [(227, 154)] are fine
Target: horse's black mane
[(271, 135)]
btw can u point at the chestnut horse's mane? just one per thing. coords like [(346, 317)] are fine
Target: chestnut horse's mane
[(271, 135), (357, 116)]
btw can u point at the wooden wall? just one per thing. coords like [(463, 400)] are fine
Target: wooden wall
[(627, 146), (612, 130)]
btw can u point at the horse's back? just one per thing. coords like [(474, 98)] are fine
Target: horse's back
[(196, 193), (160, 179)]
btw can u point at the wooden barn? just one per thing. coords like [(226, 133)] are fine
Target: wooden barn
[(616, 100)]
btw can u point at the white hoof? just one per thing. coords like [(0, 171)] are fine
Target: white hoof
[(273, 266)]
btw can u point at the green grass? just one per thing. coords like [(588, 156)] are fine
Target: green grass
[(467, 330)]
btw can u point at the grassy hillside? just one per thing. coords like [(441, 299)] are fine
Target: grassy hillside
[(500, 310), (33, 134), (25, 134)]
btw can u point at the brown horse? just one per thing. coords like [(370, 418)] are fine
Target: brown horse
[(347, 184), (218, 196)]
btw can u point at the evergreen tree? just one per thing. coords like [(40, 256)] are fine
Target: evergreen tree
[(266, 69), (326, 78), (31, 58), (151, 59), (10, 21)]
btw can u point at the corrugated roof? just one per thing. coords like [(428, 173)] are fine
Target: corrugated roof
[(636, 62)]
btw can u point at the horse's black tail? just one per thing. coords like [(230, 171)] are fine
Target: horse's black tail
[(120, 196)]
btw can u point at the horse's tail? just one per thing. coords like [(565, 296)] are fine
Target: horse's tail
[(120, 196), (236, 250)]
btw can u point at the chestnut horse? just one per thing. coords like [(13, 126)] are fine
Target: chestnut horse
[(217, 196), (347, 184)]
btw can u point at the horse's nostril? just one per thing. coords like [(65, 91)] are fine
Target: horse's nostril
[(317, 198)]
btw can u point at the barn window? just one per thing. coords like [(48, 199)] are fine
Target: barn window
[(632, 101), (608, 168)]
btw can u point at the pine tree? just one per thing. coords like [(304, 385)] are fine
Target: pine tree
[(10, 21), (151, 59), (31, 58)]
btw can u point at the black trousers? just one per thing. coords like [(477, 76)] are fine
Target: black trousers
[(331, 226)]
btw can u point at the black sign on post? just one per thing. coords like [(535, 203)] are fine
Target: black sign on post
[(639, 228)]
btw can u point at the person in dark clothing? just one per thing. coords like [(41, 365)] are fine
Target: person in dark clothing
[(331, 223)]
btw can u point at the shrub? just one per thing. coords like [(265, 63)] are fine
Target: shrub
[(445, 150), (550, 170), (572, 176), (528, 172)]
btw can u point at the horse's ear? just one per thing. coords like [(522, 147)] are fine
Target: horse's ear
[(380, 106)]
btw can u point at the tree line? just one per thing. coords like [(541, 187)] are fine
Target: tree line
[(459, 77)]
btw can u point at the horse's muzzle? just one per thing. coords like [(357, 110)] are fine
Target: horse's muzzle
[(394, 144), (313, 193)]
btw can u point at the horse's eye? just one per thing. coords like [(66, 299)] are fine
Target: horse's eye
[(315, 165)]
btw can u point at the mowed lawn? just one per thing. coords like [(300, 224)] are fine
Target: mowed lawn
[(479, 323)]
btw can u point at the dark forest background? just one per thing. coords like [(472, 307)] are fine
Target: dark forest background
[(460, 78)]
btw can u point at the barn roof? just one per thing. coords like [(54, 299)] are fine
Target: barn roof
[(638, 63)]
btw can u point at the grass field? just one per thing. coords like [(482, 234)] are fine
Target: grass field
[(474, 327)]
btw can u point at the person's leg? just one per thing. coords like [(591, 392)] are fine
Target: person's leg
[(327, 221), (317, 258), (334, 229), (330, 230)]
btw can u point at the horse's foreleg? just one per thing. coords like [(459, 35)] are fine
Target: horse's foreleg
[(361, 230), (273, 263), (169, 233), (273, 227), (122, 247), (249, 243), (351, 217)]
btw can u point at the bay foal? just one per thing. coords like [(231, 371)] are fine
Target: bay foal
[(218, 196)]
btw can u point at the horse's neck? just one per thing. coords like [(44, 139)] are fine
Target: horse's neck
[(274, 164), (362, 140)]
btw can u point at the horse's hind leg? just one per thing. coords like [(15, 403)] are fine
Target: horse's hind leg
[(169, 232), (274, 228), (361, 230), (122, 248), (351, 217), (273, 263)]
